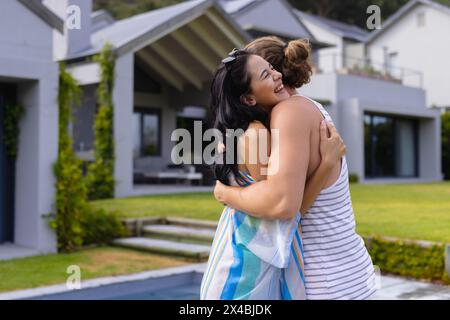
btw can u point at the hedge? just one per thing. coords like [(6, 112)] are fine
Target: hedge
[(416, 259)]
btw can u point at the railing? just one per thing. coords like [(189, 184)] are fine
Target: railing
[(344, 64)]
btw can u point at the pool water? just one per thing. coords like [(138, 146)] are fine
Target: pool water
[(185, 286)]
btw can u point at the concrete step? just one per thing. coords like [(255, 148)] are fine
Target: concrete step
[(196, 251), (179, 233), (186, 222)]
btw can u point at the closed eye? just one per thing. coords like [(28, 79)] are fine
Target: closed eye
[(265, 73)]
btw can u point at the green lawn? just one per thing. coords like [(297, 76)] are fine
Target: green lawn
[(412, 211), (98, 262)]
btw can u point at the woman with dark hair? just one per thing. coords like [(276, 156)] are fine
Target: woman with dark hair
[(337, 264), (250, 256)]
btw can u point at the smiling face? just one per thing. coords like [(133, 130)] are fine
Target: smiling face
[(266, 84)]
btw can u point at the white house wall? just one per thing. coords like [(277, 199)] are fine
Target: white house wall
[(354, 54), (26, 58), (329, 58), (425, 49)]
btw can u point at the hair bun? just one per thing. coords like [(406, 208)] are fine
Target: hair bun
[(297, 68)]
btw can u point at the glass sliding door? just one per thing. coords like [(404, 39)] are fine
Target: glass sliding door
[(7, 169), (391, 146), (146, 132)]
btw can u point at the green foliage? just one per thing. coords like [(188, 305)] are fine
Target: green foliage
[(70, 188), (408, 259), (445, 132), (13, 114), (122, 9), (100, 178), (324, 102), (100, 227), (353, 178), (351, 11)]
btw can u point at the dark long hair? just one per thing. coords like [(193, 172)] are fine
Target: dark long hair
[(231, 81)]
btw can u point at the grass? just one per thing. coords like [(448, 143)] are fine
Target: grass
[(410, 211), (414, 211), (189, 205), (97, 262)]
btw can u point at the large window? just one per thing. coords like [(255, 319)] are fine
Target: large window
[(146, 132), (391, 146)]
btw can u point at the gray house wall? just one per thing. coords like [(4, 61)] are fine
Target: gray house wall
[(26, 59)]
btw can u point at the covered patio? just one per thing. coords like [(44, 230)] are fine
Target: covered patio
[(165, 62)]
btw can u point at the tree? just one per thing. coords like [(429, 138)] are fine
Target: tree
[(350, 11), (121, 9)]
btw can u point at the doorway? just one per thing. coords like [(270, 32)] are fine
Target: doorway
[(7, 169)]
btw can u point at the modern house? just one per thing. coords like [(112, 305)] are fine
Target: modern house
[(417, 36), (28, 77), (170, 55), (391, 135), (164, 64)]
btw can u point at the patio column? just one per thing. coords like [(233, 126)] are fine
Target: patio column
[(430, 168), (351, 127), (37, 152), (123, 120)]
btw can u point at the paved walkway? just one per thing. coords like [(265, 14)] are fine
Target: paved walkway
[(154, 189), (12, 251), (397, 288)]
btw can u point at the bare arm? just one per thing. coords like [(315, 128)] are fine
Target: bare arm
[(332, 148), (279, 196)]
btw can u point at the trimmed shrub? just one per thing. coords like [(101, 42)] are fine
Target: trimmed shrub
[(408, 258), (353, 178), (100, 227)]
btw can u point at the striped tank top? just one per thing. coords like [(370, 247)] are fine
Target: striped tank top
[(337, 263), (249, 258)]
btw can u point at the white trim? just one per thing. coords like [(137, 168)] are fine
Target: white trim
[(85, 73)]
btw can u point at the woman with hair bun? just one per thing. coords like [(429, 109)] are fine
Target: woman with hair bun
[(336, 262)]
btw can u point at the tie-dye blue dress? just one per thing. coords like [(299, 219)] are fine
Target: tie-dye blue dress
[(249, 259)]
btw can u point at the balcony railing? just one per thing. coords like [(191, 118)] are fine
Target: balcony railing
[(344, 64)]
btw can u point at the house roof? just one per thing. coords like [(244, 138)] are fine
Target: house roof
[(403, 11), (44, 13), (101, 19), (180, 45), (235, 6), (342, 29), (140, 30), (242, 10)]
